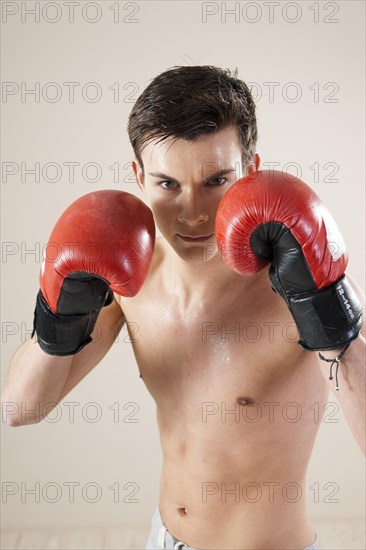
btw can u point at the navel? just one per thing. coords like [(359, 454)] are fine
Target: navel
[(182, 510)]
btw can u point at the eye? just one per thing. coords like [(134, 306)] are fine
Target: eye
[(168, 183), (218, 181)]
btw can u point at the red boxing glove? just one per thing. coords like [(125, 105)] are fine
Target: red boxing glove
[(274, 217), (102, 243)]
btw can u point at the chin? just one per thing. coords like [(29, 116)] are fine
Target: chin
[(197, 253)]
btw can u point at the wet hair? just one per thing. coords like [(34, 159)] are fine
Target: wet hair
[(188, 102)]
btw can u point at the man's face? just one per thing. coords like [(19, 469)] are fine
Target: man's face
[(184, 182)]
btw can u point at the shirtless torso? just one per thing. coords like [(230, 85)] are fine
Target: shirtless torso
[(236, 399), (239, 402)]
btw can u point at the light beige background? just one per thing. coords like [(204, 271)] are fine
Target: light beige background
[(108, 452)]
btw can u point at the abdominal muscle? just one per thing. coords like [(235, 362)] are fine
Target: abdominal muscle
[(233, 473)]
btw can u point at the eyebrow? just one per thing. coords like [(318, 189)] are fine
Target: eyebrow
[(217, 174)]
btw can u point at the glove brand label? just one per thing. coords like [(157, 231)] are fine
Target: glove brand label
[(345, 302)]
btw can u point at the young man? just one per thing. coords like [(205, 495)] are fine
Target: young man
[(217, 350)]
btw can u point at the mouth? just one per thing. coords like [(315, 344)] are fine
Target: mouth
[(198, 239)]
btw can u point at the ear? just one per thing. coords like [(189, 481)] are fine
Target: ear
[(139, 174), (254, 164)]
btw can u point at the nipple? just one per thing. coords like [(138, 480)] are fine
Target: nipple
[(245, 401)]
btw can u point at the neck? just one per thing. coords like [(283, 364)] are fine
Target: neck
[(197, 282)]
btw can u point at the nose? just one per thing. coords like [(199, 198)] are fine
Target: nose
[(193, 210)]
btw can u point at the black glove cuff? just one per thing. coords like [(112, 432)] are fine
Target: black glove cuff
[(61, 334), (328, 318)]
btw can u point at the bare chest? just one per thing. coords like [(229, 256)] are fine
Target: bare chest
[(237, 348)]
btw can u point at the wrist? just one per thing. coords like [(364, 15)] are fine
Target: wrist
[(332, 353), (327, 318), (334, 361), (61, 334)]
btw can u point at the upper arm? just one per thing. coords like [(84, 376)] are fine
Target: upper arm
[(109, 323)]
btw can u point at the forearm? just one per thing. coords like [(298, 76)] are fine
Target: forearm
[(34, 381), (38, 381), (352, 385)]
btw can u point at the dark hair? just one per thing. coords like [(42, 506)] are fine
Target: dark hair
[(187, 102)]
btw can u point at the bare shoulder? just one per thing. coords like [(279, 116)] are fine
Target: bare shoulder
[(112, 315)]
